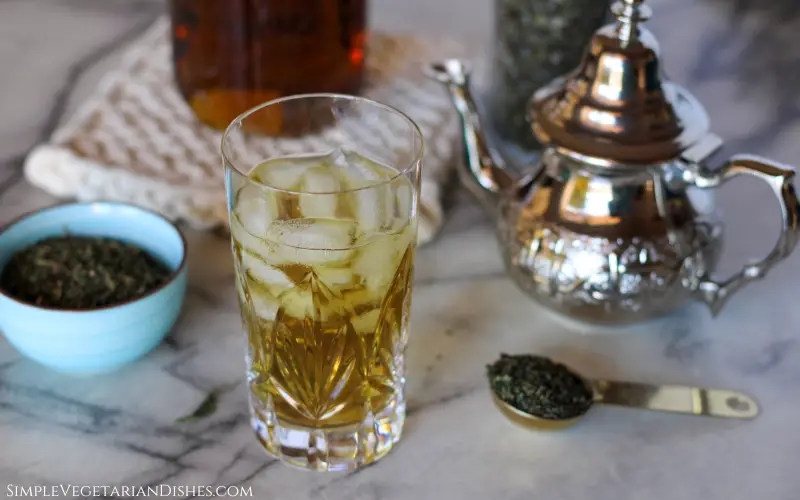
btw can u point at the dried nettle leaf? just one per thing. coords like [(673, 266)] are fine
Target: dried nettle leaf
[(539, 386), (78, 272)]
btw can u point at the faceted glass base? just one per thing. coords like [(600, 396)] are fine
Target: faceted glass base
[(333, 449)]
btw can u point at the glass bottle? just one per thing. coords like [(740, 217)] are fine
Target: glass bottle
[(535, 42), (231, 55)]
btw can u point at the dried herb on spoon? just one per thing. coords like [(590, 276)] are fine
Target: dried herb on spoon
[(77, 272), (539, 386)]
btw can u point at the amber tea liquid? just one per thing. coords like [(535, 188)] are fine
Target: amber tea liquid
[(231, 55), (324, 287)]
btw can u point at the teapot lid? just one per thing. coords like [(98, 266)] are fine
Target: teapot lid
[(617, 105)]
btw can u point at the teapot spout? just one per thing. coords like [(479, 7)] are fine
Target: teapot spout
[(483, 170)]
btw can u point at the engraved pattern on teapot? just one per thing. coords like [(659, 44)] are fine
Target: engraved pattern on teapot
[(592, 276)]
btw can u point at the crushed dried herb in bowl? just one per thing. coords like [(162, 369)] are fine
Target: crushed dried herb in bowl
[(539, 386), (79, 272)]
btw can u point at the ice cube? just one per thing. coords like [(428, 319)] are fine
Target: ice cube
[(403, 198), (361, 299), (335, 158), (313, 233), (372, 203), (313, 302), (319, 180), (368, 209), (377, 261), (240, 234), (245, 240), (263, 303), (255, 208), (367, 322), (335, 277), (257, 269), (282, 174), (361, 171), (297, 303), (313, 241)]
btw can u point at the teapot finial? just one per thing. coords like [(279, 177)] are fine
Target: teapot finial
[(629, 14), (618, 106)]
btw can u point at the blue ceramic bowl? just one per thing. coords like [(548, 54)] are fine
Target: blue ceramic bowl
[(106, 338)]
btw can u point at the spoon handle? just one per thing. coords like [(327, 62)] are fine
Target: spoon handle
[(676, 398)]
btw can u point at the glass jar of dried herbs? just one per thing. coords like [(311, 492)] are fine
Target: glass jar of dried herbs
[(535, 42)]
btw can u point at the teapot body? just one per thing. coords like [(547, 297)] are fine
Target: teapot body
[(607, 245)]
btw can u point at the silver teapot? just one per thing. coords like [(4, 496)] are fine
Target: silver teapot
[(605, 230)]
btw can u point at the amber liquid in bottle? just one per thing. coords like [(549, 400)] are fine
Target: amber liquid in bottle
[(232, 55)]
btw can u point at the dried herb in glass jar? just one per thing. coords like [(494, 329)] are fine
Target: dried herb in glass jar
[(74, 272), (539, 386), (535, 42)]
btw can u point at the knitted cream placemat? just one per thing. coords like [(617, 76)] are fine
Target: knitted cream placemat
[(137, 141)]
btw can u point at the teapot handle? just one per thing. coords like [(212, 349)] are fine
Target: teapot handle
[(780, 180)]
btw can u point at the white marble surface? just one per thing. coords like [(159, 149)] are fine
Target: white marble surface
[(120, 428)]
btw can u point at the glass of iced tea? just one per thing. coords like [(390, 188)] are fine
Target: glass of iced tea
[(323, 219)]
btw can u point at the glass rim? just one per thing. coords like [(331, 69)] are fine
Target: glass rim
[(333, 96)]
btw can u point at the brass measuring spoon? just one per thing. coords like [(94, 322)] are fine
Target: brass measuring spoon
[(721, 403)]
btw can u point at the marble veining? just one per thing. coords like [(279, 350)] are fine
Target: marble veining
[(122, 429)]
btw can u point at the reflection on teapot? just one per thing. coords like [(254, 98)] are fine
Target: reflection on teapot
[(604, 229)]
